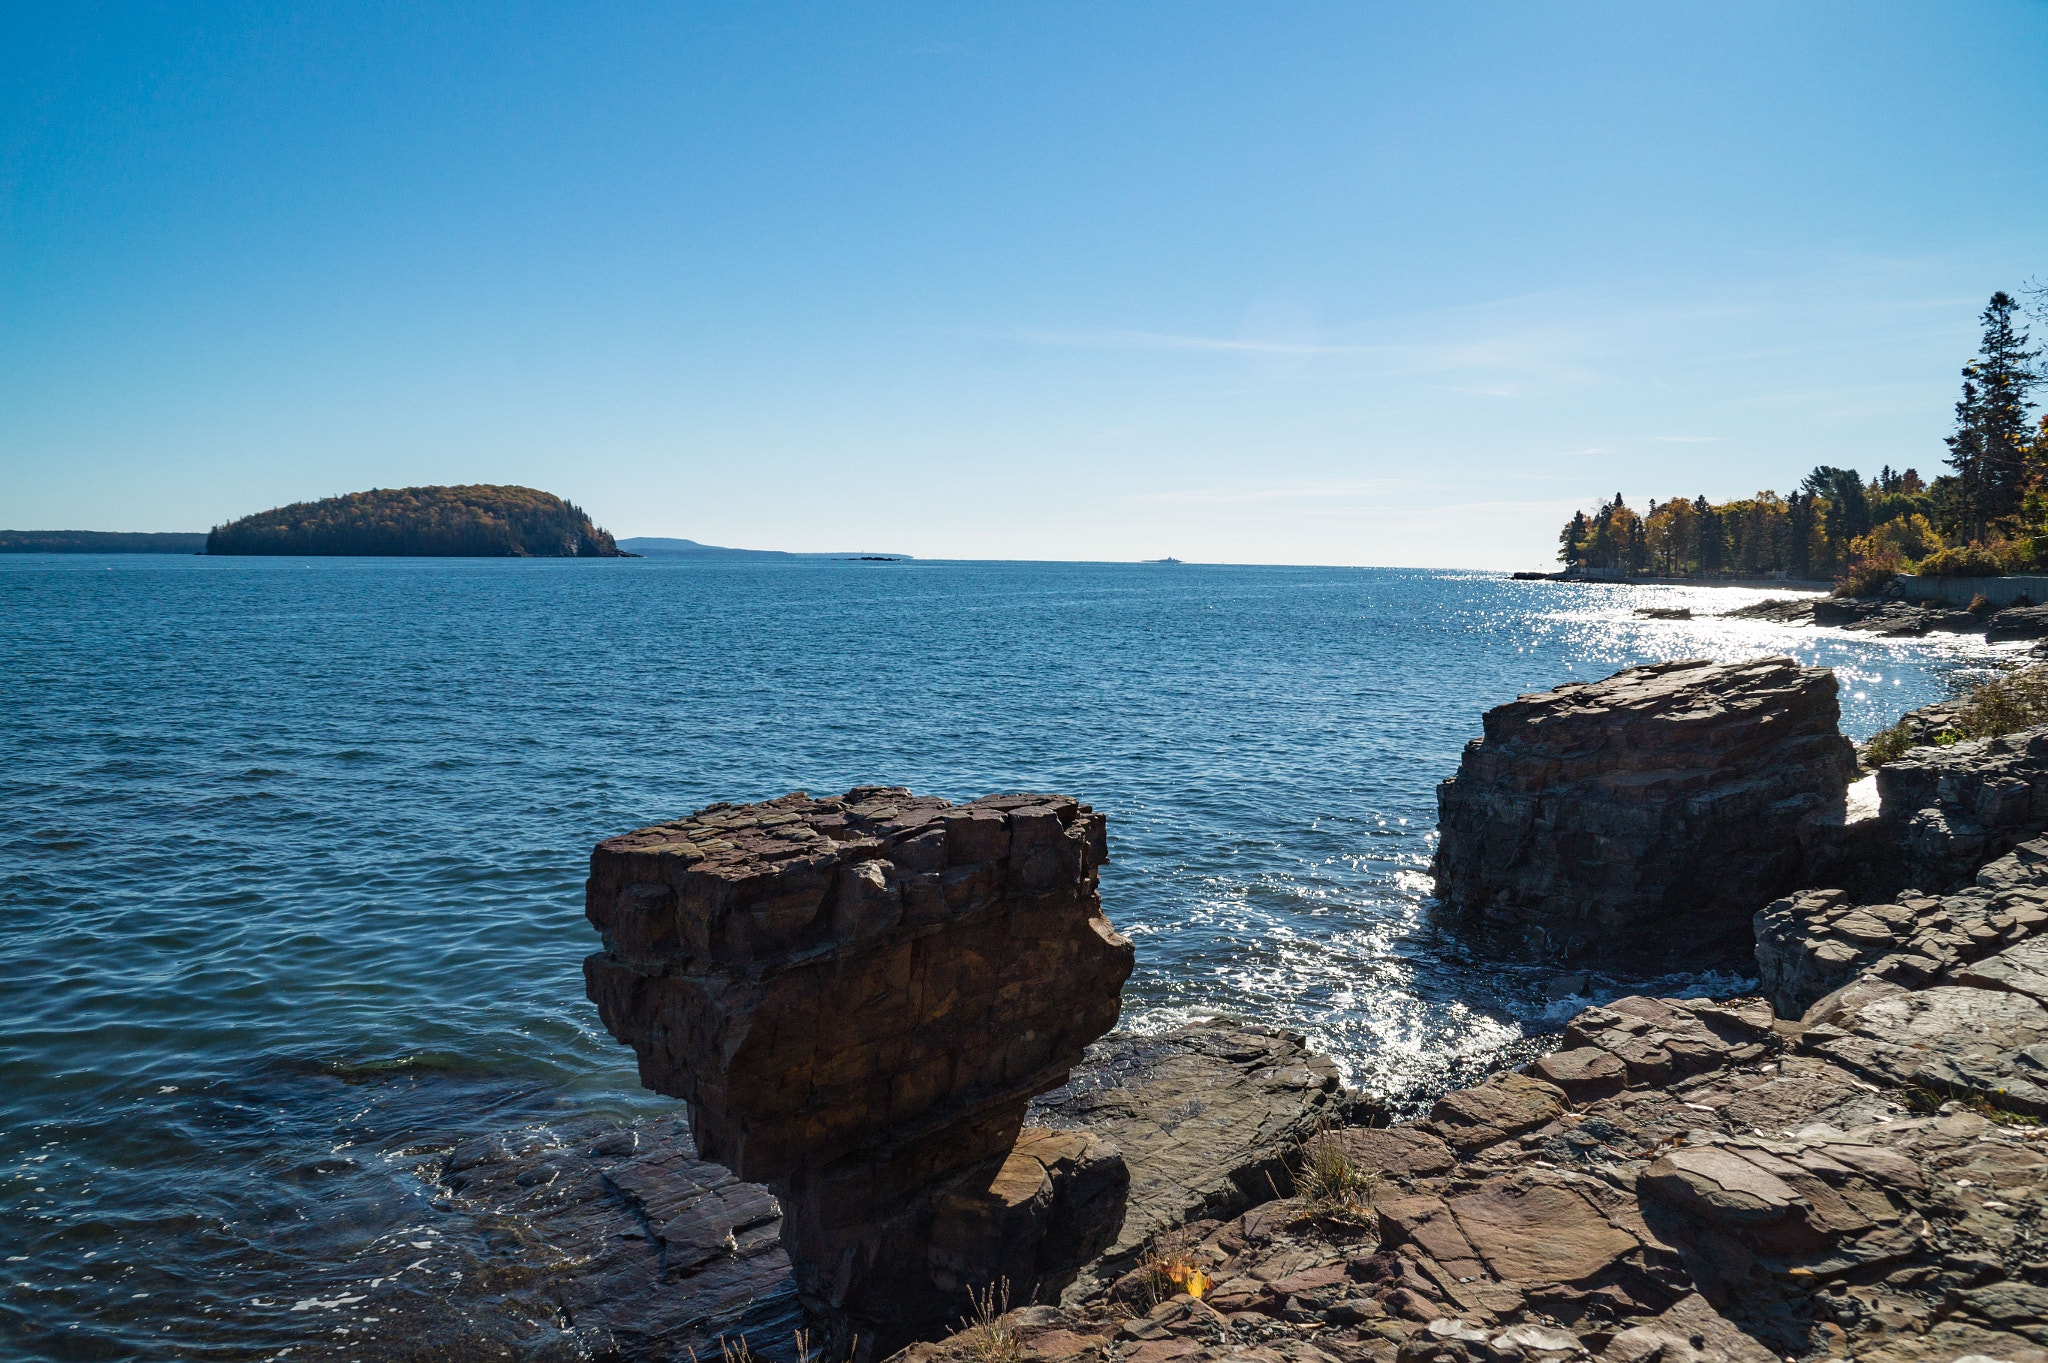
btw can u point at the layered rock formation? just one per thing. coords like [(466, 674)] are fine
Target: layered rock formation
[(1950, 810), (1756, 1190), (858, 997), (1648, 815), (1808, 945)]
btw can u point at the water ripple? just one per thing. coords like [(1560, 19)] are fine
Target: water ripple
[(293, 854)]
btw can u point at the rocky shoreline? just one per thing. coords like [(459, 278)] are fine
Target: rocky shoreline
[(1900, 619), (1851, 1166)]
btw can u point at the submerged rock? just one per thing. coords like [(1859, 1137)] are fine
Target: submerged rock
[(858, 997), (1646, 816)]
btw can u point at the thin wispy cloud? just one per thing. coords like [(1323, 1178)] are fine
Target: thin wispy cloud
[(1348, 488), (1156, 340), (1688, 439)]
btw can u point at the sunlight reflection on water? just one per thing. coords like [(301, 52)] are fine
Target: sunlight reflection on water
[(276, 821)]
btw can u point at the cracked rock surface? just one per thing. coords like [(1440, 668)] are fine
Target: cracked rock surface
[(1745, 1194)]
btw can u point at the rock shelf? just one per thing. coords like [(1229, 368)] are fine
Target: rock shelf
[(1809, 945), (1754, 1191)]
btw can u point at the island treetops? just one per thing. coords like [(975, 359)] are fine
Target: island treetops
[(479, 520), (1988, 515)]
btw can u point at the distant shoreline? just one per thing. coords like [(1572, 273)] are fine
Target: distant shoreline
[(1748, 583)]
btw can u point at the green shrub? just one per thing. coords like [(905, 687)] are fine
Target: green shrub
[(1889, 743), (1868, 578), (1963, 560)]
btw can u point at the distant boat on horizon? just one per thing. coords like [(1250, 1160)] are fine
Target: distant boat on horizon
[(1158, 560)]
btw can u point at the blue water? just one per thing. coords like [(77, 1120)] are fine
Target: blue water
[(293, 850)]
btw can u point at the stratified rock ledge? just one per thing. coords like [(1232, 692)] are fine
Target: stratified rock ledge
[(1644, 817)]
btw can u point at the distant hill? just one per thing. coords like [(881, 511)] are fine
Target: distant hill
[(479, 520), (99, 542), (653, 546)]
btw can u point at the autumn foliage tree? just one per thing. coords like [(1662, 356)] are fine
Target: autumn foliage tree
[(1991, 509)]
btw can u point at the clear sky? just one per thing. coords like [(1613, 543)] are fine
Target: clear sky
[(1348, 283)]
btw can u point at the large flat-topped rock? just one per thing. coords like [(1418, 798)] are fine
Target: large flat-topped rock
[(1648, 815), (857, 997)]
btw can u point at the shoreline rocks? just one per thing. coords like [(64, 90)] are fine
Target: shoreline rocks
[(857, 998), (1809, 945), (1759, 1189), (1647, 815)]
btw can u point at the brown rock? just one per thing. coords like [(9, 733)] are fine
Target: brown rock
[(1585, 1073), (1534, 1228), (1428, 1223), (1505, 1105), (1398, 1151), (858, 997), (1648, 815)]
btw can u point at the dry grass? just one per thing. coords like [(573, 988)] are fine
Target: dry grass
[(1330, 1185), (1169, 1269), (1927, 1099), (983, 1335), (2004, 705)]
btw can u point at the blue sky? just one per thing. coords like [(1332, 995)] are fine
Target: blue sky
[(1358, 283)]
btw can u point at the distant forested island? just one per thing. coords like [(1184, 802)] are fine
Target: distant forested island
[(479, 520), (100, 542), (655, 546), (1987, 516)]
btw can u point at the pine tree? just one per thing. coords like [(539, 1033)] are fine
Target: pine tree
[(1988, 450), (1798, 559), (1710, 537), (1571, 542)]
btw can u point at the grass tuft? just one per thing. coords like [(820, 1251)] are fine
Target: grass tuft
[(1927, 1099), (983, 1336), (1330, 1185)]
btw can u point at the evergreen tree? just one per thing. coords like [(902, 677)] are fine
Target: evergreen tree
[(1988, 449), (1571, 544), (1799, 515), (1848, 505), (1710, 537)]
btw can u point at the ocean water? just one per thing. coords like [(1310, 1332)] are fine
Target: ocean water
[(293, 849)]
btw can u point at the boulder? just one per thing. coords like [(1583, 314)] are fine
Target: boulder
[(857, 998), (1585, 1073), (1656, 1040), (1987, 1044), (1505, 1105), (1645, 817)]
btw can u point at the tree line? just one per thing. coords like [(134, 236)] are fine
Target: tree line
[(1988, 514), (475, 521)]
